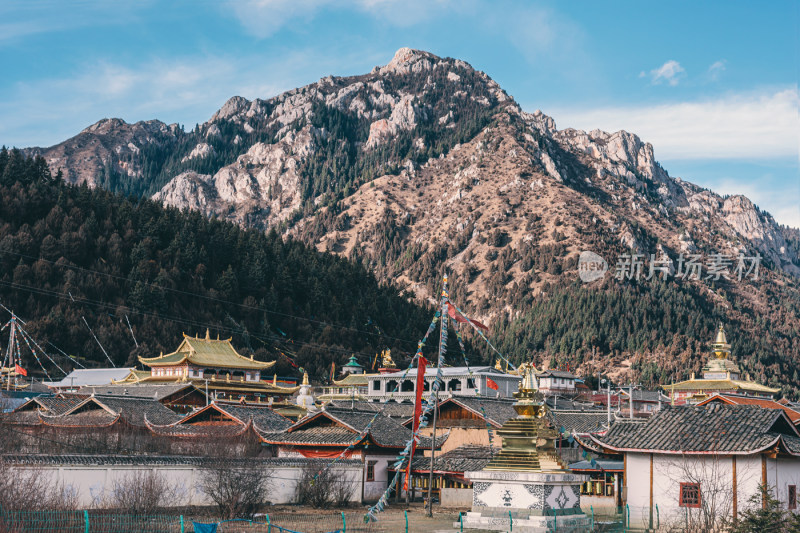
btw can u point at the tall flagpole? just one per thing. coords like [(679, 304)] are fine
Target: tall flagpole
[(436, 385)]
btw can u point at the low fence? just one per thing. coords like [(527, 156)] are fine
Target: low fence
[(303, 521), (104, 522)]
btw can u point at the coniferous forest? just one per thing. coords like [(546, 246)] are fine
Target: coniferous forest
[(71, 253)]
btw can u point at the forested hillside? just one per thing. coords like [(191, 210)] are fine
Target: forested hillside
[(69, 253)]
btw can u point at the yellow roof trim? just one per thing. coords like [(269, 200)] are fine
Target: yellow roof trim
[(719, 384)]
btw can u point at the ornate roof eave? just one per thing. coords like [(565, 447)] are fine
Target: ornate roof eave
[(43, 419), (154, 361), (616, 449)]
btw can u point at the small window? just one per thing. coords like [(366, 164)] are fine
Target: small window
[(470, 383), (792, 496), (376, 385), (690, 495), (371, 470)]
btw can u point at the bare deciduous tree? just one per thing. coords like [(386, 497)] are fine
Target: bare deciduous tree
[(239, 489), (322, 488), (141, 492), (33, 488)]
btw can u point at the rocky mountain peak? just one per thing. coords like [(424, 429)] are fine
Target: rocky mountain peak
[(408, 60), (233, 106)]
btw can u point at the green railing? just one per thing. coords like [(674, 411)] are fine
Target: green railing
[(300, 520), (97, 521)]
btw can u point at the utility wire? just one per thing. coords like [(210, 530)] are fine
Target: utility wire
[(98, 342), (210, 298), (185, 321)]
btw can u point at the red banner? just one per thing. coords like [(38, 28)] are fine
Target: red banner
[(458, 317), (19, 370), (492, 384), (422, 363)]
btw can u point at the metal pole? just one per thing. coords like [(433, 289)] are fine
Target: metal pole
[(609, 403), (631, 400), (436, 385), (433, 452)]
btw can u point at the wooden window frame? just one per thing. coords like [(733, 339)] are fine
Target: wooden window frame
[(371, 470), (695, 505), (791, 497)]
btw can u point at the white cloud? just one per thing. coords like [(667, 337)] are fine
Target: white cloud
[(185, 90), (736, 126), (670, 72), (716, 69), (262, 18)]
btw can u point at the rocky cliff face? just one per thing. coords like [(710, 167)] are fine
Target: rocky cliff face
[(426, 164), (109, 146)]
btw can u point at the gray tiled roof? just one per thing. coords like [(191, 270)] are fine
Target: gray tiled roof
[(155, 392), (401, 411), (557, 402), (498, 411), (385, 431), (263, 417), (135, 410), (91, 418), (56, 405), (580, 422), (467, 458), (710, 428), (200, 430), (645, 395)]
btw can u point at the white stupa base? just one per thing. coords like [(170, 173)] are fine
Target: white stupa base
[(525, 502)]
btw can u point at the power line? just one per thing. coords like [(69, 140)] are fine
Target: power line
[(205, 297), (185, 321)]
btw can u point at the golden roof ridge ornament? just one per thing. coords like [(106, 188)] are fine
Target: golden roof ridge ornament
[(720, 347)]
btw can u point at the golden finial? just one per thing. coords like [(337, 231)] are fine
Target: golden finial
[(208, 335), (305, 378), (275, 380), (721, 348), (498, 366)]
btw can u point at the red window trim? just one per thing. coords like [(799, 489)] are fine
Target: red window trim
[(699, 496)]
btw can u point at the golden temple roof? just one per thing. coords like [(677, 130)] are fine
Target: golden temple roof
[(207, 352), (719, 385)]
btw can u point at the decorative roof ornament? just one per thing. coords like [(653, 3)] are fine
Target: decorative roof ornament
[(720, 347), (305, 399)]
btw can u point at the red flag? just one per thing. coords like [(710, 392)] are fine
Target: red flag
[(19, 370), (492, 384), (422, 363), (458, 317)]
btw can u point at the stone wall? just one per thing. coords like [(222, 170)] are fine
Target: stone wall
[(90, 476)]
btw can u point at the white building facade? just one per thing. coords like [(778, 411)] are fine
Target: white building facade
[(456, 381), (691, 468)]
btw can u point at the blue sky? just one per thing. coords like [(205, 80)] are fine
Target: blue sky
[(713, 85)]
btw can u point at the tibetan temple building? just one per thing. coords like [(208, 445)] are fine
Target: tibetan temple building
[(720, 376), (213, 365)]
